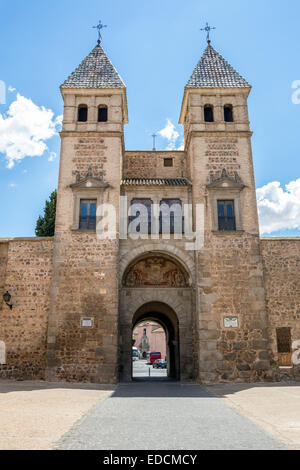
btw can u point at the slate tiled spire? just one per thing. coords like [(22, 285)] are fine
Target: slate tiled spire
[(213, 71), (95, 71)]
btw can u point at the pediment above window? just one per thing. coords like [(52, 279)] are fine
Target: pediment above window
[(226, 182), (89, 182)]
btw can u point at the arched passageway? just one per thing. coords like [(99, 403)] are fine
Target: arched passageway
[(157, 286), (166, 317)]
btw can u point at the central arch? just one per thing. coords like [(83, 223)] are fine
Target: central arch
[(158, 285), (167, 318)]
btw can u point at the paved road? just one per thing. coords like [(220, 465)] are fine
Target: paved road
[(165, 415), (141, 369)]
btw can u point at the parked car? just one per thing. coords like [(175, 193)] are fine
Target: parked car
[(160, 364)]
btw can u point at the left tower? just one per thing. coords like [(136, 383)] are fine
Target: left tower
[(83, 319)]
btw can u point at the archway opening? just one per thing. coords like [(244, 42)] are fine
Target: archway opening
[(160, 314)]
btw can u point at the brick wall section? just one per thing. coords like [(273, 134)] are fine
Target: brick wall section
[(281, 261), (28, 267), (138, 164)]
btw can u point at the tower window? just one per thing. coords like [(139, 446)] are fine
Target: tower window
[(168, 161), (82, 113), (226, 216), (208, 113), (87, 219), (102, 113), (228, 113)]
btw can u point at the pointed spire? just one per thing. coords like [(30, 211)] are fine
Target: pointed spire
[(95, 71), (213, 71)]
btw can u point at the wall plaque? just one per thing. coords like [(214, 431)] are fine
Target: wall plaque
[(231, 322), (87, 322), (2, 353)]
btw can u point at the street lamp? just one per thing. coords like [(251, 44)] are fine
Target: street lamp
[(7, 298)]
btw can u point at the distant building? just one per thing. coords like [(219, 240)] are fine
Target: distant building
[(150, 336)]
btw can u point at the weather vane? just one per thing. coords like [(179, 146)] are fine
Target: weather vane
[(208, 30), (99, 27)]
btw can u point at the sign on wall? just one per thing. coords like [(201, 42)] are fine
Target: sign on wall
[(87, 322), (231, 322), (2, 353)]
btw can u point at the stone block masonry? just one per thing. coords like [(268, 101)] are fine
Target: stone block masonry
[(25, 271)]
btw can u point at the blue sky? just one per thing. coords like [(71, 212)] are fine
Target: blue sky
[(155, 46)]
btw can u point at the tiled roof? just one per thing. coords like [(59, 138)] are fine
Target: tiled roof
[(156, 182), (213, 71), (95, 71)]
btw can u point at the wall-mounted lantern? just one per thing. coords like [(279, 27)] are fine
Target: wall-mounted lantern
[(7, 298)]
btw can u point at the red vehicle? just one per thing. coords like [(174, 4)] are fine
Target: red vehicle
[(152, 356)]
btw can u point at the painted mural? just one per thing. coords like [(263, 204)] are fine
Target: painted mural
[(155, 271)]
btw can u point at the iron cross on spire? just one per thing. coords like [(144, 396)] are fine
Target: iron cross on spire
[(208, 30), (99, 27)]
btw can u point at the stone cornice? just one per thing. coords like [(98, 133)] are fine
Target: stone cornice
[(91, 134)]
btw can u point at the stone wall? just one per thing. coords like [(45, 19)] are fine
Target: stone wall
[(138, 164), (281, 262), (231, 284), (25, 271)]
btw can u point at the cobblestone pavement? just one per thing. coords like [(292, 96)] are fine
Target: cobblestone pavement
[(165, 415)]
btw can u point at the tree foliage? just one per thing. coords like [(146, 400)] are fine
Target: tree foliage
[(45, 225)]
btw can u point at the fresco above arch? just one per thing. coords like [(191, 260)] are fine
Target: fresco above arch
[(155, 270)]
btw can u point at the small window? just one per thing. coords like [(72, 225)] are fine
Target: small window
[(87, 219), (228, 113), (168, 162), (208, 113), (102, 114), (82, 113), (226, 217)]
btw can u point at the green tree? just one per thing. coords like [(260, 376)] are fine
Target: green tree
[(45, 225)]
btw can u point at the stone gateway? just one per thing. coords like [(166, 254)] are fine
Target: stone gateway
[(230, 309)]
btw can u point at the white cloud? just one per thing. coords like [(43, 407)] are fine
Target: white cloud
[(24, 130), (169, 132), (12, 185), (52, 156), (11, 89), (278, 208)]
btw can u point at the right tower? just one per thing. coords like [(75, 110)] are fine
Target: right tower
[(231, 308)]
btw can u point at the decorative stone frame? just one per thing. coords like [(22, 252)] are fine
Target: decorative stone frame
[(87, 188), (225, 188)]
